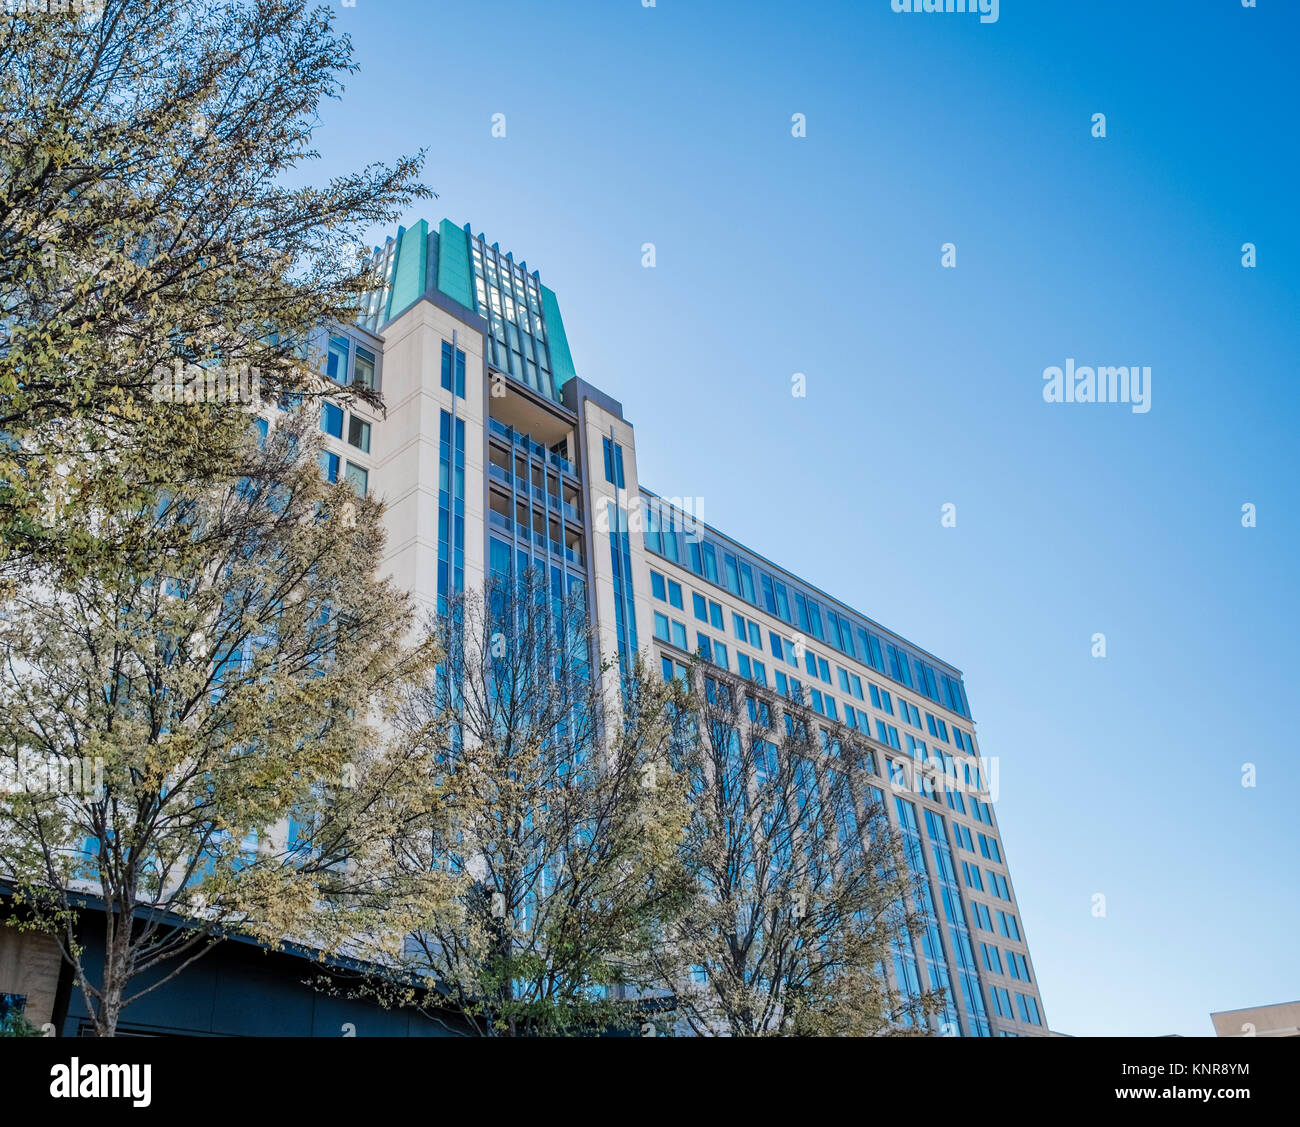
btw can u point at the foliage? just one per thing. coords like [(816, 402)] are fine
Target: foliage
[(195, 736), (14, 1024), (797, 890), (564, 819), (152, 211)]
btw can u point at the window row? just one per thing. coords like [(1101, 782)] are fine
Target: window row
[(1027, 1006), (347, 362), (988, 845), (716, 652), (1008, 926), (1016, 965), (358, 430), (750, 632), (665, 536), (356, 476)]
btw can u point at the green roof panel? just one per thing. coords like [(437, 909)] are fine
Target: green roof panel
[(454, 278), (409, 269), (561, 358)]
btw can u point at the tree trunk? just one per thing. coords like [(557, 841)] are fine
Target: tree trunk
[(109, 1010), (117, 972)]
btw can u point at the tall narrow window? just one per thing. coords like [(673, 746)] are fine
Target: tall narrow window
[(336, 361), (453, 369), (357, 477), (451, 508), (614, 467), (331, 419), (359, 433), (364, 368)]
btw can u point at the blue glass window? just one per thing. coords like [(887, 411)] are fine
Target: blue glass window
[(710, 563), (336, 361), (1001, 1002), (331, 419), (871, 650), (453, 369), (1028, 1009), (925, 680), (952, 696), (899, 669), (747, 583), (703, 647), (815, 620), (364, 369), (451, 507), (881, 699), (359, 434), (801, 606), (782, 603), (357, 477), (614, 475)]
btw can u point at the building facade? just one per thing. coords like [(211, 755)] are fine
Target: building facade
[(490, 453), (1282, 1019)]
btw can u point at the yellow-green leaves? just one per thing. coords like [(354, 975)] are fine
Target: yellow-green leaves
[(218, 729), (141, 213)]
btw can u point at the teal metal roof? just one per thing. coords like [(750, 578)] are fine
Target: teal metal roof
[(526, 335)]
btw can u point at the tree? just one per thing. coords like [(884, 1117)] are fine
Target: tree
[(797, 892), (151, 211), (14, 1024), (194, 740), (564, 820)]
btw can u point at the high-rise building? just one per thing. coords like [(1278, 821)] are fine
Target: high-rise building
[(491, 452)]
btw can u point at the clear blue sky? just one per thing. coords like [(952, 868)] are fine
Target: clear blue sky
[(671, 125)]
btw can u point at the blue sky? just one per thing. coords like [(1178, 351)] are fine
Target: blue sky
[(821, 255)]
